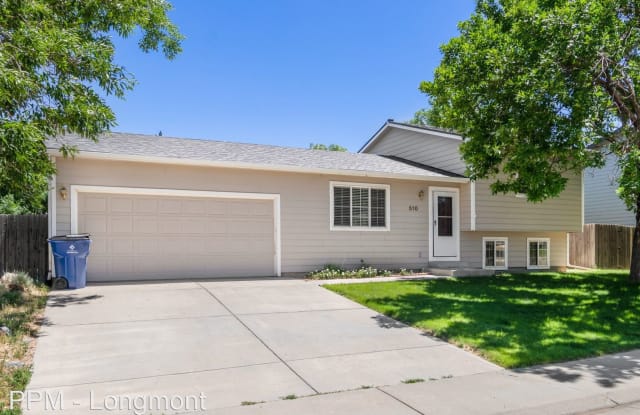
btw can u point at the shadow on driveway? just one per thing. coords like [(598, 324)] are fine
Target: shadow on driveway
[(607, 371), (62, 300)]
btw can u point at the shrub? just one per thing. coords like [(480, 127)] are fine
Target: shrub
[(16, 281), (331, 271)]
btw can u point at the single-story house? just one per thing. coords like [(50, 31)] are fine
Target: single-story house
[(601, 202), (160, 207)]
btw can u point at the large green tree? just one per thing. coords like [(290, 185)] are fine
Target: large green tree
[(56, 68), (541, 89)]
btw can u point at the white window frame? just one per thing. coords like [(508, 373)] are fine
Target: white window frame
[(506, 252), (548, 241), (387, 207)]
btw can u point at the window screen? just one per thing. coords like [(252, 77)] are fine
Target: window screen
[(539, 254), (495, 253), (359, 206), (378, 207), (341, 206)]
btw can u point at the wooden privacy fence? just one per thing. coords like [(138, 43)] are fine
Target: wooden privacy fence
[(601, 246), (23, 245)]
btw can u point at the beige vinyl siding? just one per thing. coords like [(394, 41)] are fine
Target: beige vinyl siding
[(510, 213), (425, 148), (307, 242), (493, 212), (465, 207), (601, 203), (471, 247), (432, 150)]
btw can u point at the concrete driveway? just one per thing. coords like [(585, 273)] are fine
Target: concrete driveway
[(232, 342)]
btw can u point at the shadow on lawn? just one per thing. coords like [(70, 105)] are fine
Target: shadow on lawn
[(521, 320)]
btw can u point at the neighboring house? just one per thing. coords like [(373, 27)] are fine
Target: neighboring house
[(160, 207), (601, 202)]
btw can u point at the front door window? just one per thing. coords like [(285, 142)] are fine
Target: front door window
[(445, 216)]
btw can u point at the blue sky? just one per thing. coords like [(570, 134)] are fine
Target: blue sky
[(288, 72)]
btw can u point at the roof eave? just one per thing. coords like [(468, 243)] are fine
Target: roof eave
[(91, 155)]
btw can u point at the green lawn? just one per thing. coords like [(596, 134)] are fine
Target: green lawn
[(516, 320)]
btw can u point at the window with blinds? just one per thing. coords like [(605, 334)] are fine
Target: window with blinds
[(359, 206)]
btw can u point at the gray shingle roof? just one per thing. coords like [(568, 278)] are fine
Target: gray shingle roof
[(269, 156)]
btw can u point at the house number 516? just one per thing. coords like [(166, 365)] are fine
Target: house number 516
[(413, 208)]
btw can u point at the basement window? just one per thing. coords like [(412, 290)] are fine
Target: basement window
[(495, 253), (359, 206), (538, 253)]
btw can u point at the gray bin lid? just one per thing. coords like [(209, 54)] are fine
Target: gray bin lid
[(70, 237)]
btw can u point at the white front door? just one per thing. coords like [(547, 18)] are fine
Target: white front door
[(445, 225)]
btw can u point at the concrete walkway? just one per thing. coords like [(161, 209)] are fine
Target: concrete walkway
[(246, 342)]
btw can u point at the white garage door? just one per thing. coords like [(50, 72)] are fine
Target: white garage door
[(166, 237)]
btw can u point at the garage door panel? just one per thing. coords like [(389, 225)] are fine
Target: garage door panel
[(217, 244), (193, 226), (121, 205), (217, 226), (93, 204), (169, 225), (145, 246), (169, 206), (145, 205), (194, 207), (193, 246), (124, 265), (99, 246), (262, 209), (99, 264), (216, 207), (120, 224), (255, 267), (250, 227), (261, 245), (120, 246), (93, 224), (238, 208), (159, 237), (142, 225)]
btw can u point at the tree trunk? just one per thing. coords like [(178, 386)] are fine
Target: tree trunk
[(634, 272)]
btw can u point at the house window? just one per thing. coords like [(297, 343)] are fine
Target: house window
[(495, 253), (538, 253), (359, 206)]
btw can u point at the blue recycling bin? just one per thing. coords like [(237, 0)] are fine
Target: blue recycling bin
[(70, 258)]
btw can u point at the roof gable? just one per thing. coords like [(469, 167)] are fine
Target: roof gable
[(427, 130)]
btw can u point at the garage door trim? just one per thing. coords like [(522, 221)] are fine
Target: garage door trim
[(145, 191)]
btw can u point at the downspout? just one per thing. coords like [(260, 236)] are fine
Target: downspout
[(51, 215), (472, 199), (581, 222)]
